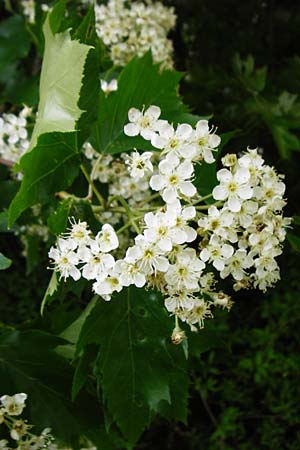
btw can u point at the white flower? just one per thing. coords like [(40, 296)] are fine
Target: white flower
[(173, 179), (234, 187), (179, 301), (97, 264), (216, 252), (222, 300), (139, 164), (65, 259), (170, 140), (237, 264), (19, 429), (197, 314), (149, 257), (247, 212), (205, 141), (165, 229), (4, 444), (184, 232), (107, 239), (79, 233), (252, 161), (142, 123), (13, 405), (217, 221), (105, 288), (130, 273), (186, 271), (107, 88), (29, 9)]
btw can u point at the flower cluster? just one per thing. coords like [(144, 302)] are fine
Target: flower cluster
[(29, 9), (130, 30), (182, 244), (20, 431), (13, 135), (250, 221)]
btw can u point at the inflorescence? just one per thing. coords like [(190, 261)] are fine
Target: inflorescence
[(184, 243)]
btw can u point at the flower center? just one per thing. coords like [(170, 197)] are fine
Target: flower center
[(173, 180), (232, 186)]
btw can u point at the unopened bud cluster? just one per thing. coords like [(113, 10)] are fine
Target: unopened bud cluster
[(167, 237)]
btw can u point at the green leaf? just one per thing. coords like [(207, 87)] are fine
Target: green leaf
[(284, 139), (14, 44), (58, 220), (5, 263), (59, 86), (140, 84), (50, 167), (14, 40), (29, 364), (137, 365), (53, 160), (83, 369), (294, 241), (57, 15)]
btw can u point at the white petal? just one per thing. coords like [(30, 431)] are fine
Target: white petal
[(184, 131), (157, 182), (219, 264), (205, 254), (162, 264), (234, 204), (224, 175), (134, 114), (189, 212), (214, 140), (185, 170), (169, 195), (187, 188), (165, 244), (153, 112), (139, 280), (245, 191), (242, 175), (158, 141), (219, 193), (75, 273), (113, 85), (202, 127), (131, 129), (208, 156), (227, 251), (147, 134)]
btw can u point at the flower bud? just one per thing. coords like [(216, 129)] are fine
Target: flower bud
[(178, 336)]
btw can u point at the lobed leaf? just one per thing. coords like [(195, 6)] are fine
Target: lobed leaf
[(140, 84), (137, 366)]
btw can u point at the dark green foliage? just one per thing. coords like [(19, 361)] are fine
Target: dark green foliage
[(242, 62), (137, 366)]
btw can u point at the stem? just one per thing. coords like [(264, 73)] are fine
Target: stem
[(94, 189), (93, 173), (205, 197), (208, 409), (152, 197)]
